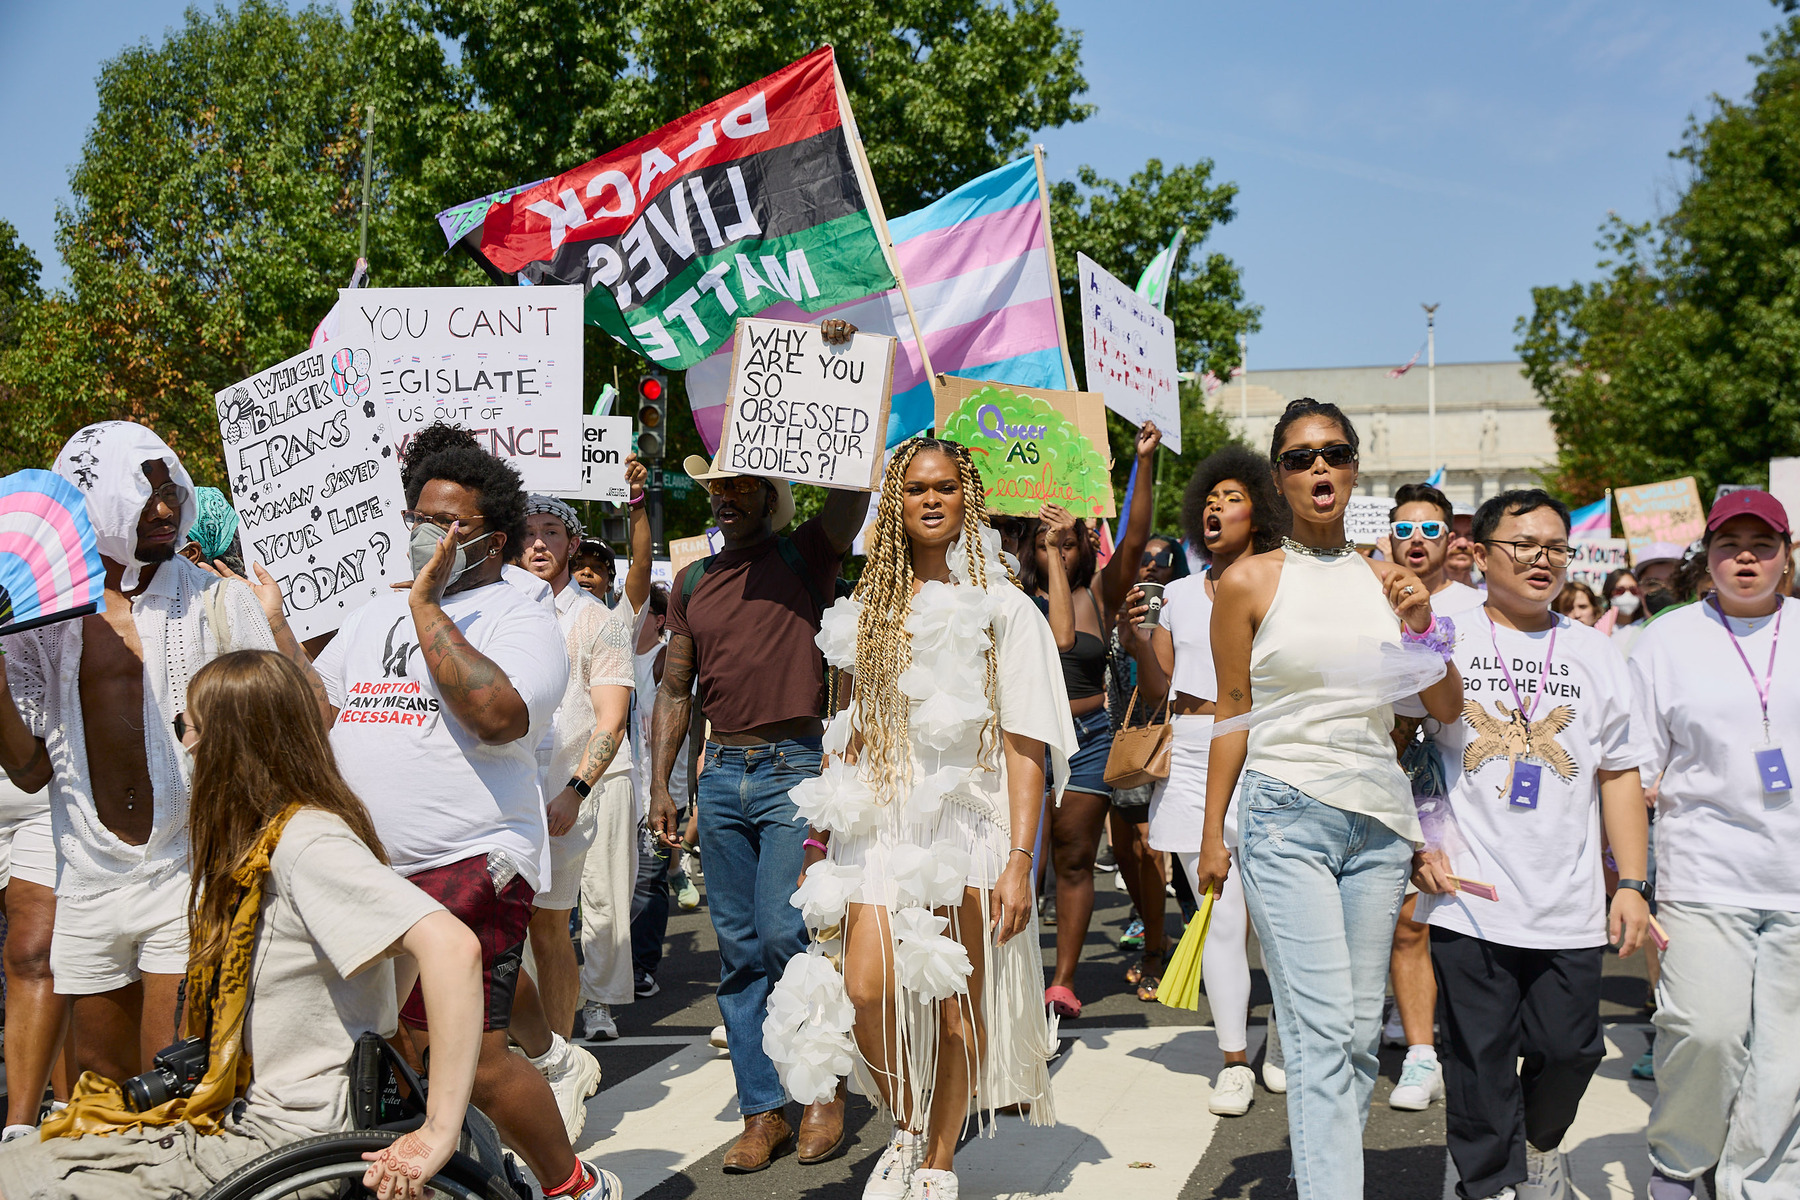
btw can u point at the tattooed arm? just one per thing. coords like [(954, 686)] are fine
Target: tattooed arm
[(668, 731), (611, 703), (473, 688)]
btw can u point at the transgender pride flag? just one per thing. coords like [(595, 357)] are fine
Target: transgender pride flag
[(976, 266), (1592, 521)]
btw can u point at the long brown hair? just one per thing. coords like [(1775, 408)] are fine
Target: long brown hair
[(262, 746)]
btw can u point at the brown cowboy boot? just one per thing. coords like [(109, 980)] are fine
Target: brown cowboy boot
[(822, 1129), (765, 1135)]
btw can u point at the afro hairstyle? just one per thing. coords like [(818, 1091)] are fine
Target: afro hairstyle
[(1269, 514), (502, 495)]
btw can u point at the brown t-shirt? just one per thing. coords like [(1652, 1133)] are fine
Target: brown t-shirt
[(752, 624)]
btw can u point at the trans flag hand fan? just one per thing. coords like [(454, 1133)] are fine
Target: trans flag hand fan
[(49, 565)]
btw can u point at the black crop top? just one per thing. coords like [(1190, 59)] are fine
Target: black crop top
[(1084, 663)]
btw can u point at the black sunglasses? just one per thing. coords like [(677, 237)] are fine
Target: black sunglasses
[(1340, 454), (182, 725), (1162, 558)]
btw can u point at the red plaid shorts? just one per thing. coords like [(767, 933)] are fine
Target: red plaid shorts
[(498, 921)]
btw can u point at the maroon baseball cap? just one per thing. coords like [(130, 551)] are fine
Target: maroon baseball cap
[(1748, 502)]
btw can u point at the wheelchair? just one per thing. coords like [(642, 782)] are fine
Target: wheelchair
[(387, 1100)]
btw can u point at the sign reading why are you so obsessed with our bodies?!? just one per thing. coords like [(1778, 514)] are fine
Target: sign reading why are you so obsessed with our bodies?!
[(315, 478), (504, 363), (807, 411), (1130, 350)]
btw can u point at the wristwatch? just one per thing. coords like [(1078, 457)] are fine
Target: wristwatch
[(1636, 885), (581, 789)]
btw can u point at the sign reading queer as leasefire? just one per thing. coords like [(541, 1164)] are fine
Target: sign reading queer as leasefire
[(504, 363), (316, 483), (1130, 349), (807, 411), (1668, 512), (605, 441), (1029, 454), (1593, 559)]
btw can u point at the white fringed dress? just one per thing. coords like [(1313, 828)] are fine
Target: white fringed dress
[(945, 829)]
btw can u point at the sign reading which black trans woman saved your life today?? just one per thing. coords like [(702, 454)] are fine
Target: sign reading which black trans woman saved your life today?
[(803, 410), (504, 363), (315, 480)]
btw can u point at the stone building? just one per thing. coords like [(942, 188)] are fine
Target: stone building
[(1493, 433)]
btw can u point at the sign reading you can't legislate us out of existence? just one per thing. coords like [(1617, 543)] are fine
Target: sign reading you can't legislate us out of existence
[(315, 480), (807, 411), (504, 363)]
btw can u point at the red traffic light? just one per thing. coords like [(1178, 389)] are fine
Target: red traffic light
[(650, 388)]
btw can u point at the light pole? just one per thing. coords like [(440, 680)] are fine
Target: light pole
[(1430, 387)]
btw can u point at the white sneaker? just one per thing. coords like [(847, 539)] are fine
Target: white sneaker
[(606, 1185), (1235, 1091), (13, 1133), (1274, 1073), (716, 1039), (933, 1185), (573, 1075), (888, 1182), (1421, 1082), (1546, 1175), (594, 1023)]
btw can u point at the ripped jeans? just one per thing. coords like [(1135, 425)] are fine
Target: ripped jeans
[(1323, 887)]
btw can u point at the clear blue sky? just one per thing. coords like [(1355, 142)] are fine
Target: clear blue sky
[(1387, 153)]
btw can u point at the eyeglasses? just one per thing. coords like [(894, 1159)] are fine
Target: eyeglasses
[(1625, 588), (1162, 558), (170, 495), (1431, 531), (183, 726), (735, 485), (1301, 458), (1557, 556), (415, 519)]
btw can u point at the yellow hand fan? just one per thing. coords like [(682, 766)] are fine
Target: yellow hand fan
[(1181, 978)]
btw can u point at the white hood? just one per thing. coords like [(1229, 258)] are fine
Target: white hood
[(106, 461)]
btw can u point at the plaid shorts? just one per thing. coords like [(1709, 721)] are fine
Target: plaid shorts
[(498, 921)]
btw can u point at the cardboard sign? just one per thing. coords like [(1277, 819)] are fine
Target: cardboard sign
[(1596, 558), (504, 363), (803, 410), (315, 480), (1366, 520), (1029, 454), (683, 551), (1130, 349), (1784, 484), (1668, 512), (605, 441)]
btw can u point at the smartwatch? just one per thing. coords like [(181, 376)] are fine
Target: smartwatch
[(581, 789), (1636, 885)]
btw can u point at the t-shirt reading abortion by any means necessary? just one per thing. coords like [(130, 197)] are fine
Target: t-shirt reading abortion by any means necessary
[(323, 976), (1545, 860), (438, 795), (753, 623)]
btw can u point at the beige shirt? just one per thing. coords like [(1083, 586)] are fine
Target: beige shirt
[(599, 645)]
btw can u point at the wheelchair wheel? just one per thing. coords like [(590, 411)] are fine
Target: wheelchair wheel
[(331, 1165)]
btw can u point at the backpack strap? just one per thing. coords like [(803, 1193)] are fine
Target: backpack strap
[(790, 554)]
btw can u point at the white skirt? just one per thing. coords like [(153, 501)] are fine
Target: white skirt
[(1178, 806), (978, 835)]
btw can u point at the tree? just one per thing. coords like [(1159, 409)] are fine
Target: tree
[(19, 274), (1685, 357)]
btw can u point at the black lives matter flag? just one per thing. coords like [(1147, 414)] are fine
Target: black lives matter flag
[(755, 199)]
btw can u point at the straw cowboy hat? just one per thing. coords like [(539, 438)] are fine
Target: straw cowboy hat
[(700, 470)]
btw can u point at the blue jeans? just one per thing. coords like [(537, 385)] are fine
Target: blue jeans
[(1323, 887), (752, 840)]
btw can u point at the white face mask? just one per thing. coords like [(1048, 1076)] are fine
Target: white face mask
[(1626, 602)]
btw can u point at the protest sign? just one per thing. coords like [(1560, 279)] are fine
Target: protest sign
[(1130, 350), (315, 480), (1085, 410), (1593, 559), (1668, 512), (1784, 484), (1366, 520), (807, 411), (605, 441), (1029, 453), (504, 363), (683, 551)]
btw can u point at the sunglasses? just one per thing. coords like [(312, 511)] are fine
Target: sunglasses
[(1301, 458), (1162, 558), (735, 485), (1431, 531), (183, 725)]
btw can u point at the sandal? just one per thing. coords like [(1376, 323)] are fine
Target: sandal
[(1146, 990), (1135, 973), (1063, 1002), (1147, 967)]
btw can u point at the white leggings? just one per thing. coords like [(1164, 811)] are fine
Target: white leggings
[(1225, 967)]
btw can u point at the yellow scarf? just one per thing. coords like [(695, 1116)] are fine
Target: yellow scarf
[(98, 1105)]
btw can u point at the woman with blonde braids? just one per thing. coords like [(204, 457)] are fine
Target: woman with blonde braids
[(922, 827)]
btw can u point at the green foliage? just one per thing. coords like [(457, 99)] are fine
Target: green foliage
[(1684, 358), (19, 273)]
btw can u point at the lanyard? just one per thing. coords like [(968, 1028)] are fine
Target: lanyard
[(1519, 700), (1765, 685)]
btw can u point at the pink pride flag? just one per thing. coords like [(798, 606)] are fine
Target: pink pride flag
[(979, 274)]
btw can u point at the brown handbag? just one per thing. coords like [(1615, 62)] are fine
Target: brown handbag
[(1141, 755)]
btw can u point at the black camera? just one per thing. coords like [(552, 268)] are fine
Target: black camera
[(174, 1073)]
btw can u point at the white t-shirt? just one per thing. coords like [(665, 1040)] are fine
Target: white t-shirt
[(323, 975), (530, 584), (1719, 840), (438, 795), (598, 641), (1455, 598), (1545, 861), (1187, 615)]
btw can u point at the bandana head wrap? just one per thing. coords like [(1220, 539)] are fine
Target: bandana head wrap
[(216, 523), (558, 509)]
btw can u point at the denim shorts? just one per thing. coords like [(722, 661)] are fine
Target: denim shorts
[(1087, 766)]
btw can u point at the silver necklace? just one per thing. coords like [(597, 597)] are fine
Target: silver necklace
[(1289, 544)]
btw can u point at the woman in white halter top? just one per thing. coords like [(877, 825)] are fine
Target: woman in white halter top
[(1307, 641)]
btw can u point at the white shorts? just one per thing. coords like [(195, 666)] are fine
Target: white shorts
[(105, 942), (568, 854), (26, 848)]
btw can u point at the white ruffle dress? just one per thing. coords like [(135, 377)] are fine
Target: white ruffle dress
[(949, 829)]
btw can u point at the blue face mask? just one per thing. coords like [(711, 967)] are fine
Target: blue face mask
[(424, 544)]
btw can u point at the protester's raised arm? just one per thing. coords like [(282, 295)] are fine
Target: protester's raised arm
[(637, 574), (1121, 569)]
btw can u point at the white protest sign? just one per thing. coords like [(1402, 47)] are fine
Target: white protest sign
[(1784, 484), (1592, 559), (605, 441), (1129, 345), (316, 483), (1366, 520), (807, 411), (504, 363)]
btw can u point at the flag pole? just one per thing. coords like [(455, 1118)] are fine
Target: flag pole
[(867, 178), (1062, 329), (362, 252)]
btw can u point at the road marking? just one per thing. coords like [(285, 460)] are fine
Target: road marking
[(664, 1118)]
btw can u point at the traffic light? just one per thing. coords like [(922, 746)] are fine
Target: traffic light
[(653, 389)]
